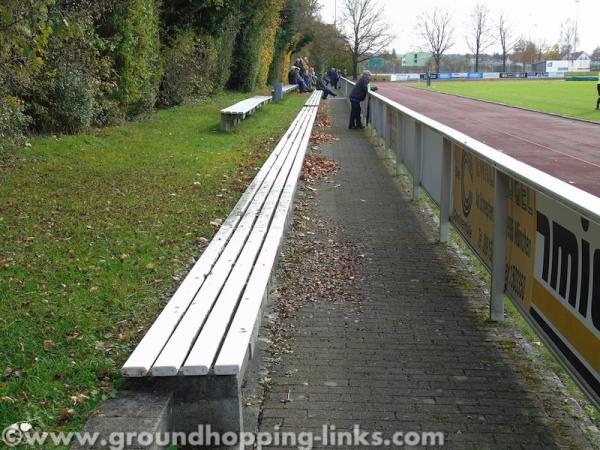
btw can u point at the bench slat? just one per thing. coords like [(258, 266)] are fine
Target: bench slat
[(175, 351), (204, 351), (147, 351), (233, 353)]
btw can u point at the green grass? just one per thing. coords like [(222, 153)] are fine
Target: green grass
[(567, 98), (95, 232)]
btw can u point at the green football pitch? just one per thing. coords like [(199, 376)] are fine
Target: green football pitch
[(567, 98)]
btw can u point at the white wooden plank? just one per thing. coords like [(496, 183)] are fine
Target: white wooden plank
[(147, 351), (247, 105), (174, 352), (233, 352), (204, 351), (289, 87)]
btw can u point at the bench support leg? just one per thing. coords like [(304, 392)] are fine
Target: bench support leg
[(228, 121), (199, 407)]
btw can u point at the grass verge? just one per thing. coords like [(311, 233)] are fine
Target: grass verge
[(96, 231), (566, 98)]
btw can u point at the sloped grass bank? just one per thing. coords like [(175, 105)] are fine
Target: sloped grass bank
[(96, 232)]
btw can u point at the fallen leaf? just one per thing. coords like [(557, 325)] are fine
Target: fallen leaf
[(49, 344), (77, 399), (66, 414)]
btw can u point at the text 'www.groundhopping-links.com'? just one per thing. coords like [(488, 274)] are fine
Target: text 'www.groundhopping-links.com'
[(21, 434)]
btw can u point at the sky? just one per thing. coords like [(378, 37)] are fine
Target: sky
[(537, 20)]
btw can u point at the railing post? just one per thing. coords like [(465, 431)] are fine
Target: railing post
[(499, 248), (374, 116), (388, 132), (399, 142), (446, 190), (384, 127), (418, 159)]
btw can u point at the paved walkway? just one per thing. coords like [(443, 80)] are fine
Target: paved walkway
[(417, 353), (564, 148)]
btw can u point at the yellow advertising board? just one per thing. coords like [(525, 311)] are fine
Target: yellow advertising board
[(565, 301), (552, 261), (520, 242), (473, 216), (473, 205)]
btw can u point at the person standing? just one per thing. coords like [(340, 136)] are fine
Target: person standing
[(357, 95), (598, 88), (333, 78)]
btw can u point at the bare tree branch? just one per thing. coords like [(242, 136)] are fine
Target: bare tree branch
[(569, 38), (507, 41), (436, 30), (481, 36), (369, 34)]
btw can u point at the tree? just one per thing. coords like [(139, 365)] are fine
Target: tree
[(369, 34), (569, 38), (525, 51), (437, 31), (553, 53), (330, 50), (481, 32), (506, 39)]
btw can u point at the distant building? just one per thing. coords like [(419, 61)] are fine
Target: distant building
[(416, 59), (578, 62)]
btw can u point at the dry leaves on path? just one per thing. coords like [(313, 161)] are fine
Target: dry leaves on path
[(323, 120), (317, 167), (318, 138)]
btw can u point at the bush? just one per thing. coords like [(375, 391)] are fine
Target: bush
[(137, 55), (225, 46), (72, 108), (247, 52), (189, 67), (13, 122)]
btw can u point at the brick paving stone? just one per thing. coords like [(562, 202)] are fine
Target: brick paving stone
[(416, 354)]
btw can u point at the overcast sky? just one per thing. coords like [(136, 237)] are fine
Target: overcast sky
[(538, 20)]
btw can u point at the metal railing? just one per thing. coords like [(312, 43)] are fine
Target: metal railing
[(542, 244)]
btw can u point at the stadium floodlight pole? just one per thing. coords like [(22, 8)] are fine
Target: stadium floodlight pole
[(576, 26), (335, 13)]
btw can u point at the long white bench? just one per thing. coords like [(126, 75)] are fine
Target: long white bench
[(286, 89), (233, 114), (199, 345)]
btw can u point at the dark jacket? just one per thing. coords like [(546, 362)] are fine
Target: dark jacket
[(359, 91), (292, 77), (333, 77)]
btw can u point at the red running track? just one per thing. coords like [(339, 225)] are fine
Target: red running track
[(567, 149)]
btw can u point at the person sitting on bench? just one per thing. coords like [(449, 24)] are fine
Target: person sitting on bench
[(321, 87)]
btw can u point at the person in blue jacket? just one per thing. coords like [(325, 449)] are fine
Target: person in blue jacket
[(357, 95), (333, 78)]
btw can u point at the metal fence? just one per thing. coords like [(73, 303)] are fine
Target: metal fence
[(538, 236)]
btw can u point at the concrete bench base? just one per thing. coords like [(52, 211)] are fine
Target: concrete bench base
[(165, 405)]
